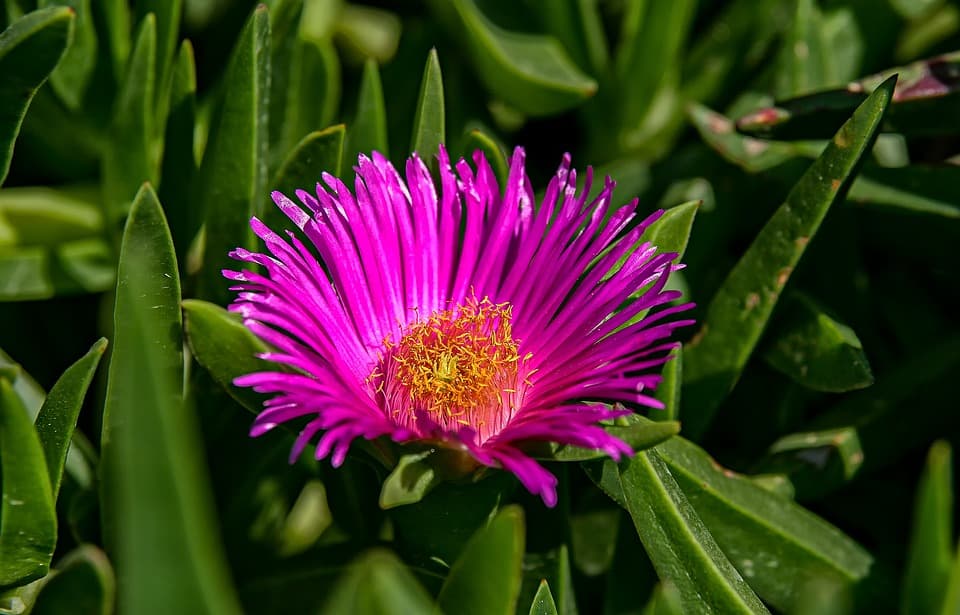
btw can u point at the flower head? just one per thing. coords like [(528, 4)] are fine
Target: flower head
[(465, 317)]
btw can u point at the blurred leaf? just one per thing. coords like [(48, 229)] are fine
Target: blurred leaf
[(914, 9), (28, 522), (650, 48), (741, 308), (58, 415), (318, 153), (233, 172), (179, 165), (680, 546), (225, 348), (543, 601), (70, 78), (29, 50), (854, 435), (639, 437), (530, 72), (593, 539), (428, 123), (83, 585), (923, 35), (478, 140), (920, 189), (578, 26), (377, 583), (157, 516), (409, 482), (668, 391), (49, 216), (167, 14), (951, 602), (368, 132), (115, 16), (128, 158), (804, 63), (815, 350), (931, 540), (485, 579), (35, 272), (367, 32), (924, 103)]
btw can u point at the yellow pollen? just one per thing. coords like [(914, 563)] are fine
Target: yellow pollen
[(457, 361)]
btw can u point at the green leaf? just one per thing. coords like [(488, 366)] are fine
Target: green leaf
[(157, 516), (225, 348), (552, 566), (377, 583), (815, 350), (167, 14), (179, 165), (485, 579), (577, 24), (738, 313), (233, 172), (115, 16), (804, 63), (128, 157), (83, 585), (48, 216), (285, 17), (669, 389), (36, 272), (58, 415), (428, 123), (917, 189), (409, 482), (682, 549), (28, 522), (319, 152), (638, 436), (543, 601), (530, 72), (672, 231), (368, 132), (314, 98), (664, 601), (70, 78), (951, 602), (29, 50), (931, 541), (651, 43)]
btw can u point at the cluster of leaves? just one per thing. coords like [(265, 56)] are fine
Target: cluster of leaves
[(821, 259)]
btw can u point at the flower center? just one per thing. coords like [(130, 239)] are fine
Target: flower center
[(460, 366)]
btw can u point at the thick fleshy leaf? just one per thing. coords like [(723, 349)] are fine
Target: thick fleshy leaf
[(485, 579), (739, 311), (168, 14), (815, 350), (29, 50), (317, 153), (233, 173), (649, 30), (477, 139), (368, 131), (285, 17), (58, 415), (669, 389), (429, 121), (552, 566), (920, 189), (28, 522), (410, 481), (530, 72), (804, 63), (924, 104), (178, 168), (931, 542), (853, 436), (70, 78), (224, 347), (378, 583), (40, 216), (682, 549), (578, 25), (543, 603), (128, 157), (37, 272), (115, 17), (84, 585), (672, 231), (158, 518)]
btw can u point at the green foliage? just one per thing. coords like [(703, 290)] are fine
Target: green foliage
[(812, 197)]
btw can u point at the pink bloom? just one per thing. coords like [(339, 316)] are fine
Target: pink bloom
[(470, 319)]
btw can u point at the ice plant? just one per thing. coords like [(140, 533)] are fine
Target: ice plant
[(464, 317)]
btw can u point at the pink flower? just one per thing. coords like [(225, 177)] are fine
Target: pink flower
[(470, 319)]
